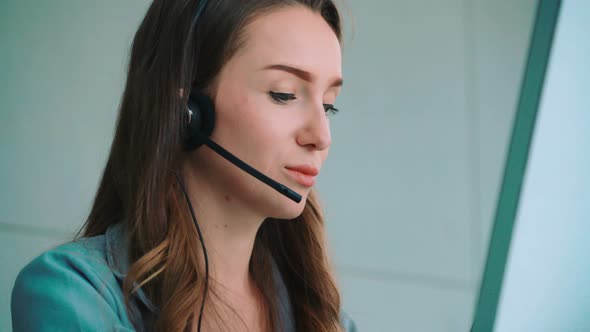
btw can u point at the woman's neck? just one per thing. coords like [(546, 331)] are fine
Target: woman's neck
[(229, 231)]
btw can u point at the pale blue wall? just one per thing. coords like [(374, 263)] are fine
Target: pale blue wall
[(410, 184)]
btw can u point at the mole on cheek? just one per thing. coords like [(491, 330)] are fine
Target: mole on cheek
[(227, 198)]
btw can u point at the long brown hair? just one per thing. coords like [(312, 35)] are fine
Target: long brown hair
[(138, 186)]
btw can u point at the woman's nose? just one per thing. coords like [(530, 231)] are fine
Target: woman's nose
[(315, 132)]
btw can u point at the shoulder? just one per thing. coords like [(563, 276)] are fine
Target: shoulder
[(85, 253), (81, 260), (70, 286), (347, 322)]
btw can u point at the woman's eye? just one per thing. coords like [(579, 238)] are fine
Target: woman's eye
[(281, 97), (330, 109), (284, 97)]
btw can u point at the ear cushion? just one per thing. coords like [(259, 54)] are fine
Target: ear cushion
[(202, 119)]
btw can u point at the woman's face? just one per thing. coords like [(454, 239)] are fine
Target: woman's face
[(271, 99)]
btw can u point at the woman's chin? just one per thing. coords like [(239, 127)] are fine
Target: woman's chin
[(290, 210)]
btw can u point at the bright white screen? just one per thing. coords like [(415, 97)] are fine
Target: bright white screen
[(547, 280)]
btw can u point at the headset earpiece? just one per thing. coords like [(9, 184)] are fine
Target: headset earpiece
[(201, 115)]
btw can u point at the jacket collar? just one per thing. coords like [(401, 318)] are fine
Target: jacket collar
[(117, 255)]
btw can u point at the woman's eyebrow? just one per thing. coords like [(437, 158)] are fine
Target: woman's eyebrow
[(304, 75)]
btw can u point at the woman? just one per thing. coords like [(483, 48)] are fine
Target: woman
[(178, 238)]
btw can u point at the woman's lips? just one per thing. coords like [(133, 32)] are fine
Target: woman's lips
[(302, 178)]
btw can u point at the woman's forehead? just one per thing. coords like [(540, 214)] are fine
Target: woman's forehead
[(295, 36)]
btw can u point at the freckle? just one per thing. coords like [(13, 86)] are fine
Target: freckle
[(225, 225), (227, 198)]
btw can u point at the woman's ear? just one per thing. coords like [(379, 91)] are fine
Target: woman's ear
[(181, 92)]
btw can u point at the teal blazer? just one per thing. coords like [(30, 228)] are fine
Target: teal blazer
[(77, 287)]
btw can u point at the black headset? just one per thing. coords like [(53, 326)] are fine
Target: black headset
[(201, 112), (201, 119)]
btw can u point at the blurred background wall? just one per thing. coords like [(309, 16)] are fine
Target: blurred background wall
[(409, 189)]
